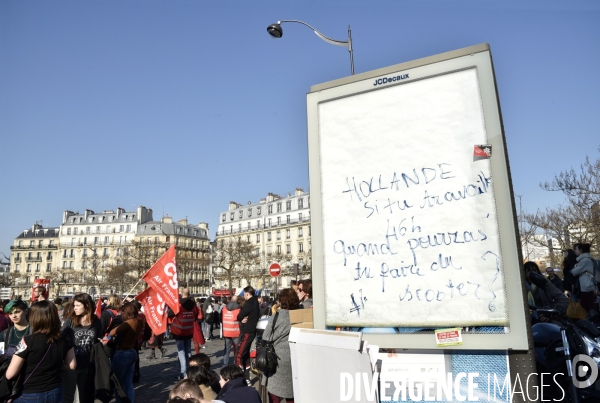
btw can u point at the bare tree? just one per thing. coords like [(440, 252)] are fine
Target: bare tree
[(233, 255)]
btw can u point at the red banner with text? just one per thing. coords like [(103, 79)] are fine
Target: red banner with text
[(154, 309), (162, 277)]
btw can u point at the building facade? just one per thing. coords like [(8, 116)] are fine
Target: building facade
[(279, 228), (102, 253)]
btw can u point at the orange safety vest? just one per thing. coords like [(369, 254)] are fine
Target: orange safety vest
[(183, 322), (231, 327)]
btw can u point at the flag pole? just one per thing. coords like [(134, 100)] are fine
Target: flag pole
[(132, 288)]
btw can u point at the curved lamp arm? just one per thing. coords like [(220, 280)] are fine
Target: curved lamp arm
[(326, 39)]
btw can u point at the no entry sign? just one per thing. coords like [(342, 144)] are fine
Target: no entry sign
[(275, 269)]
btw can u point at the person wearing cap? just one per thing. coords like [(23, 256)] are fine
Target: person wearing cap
[(17, 310)]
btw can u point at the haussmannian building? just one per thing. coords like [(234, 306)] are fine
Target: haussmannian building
[(280, 229), (85, 252)]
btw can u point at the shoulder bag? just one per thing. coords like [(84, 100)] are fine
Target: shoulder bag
[(266, 358)]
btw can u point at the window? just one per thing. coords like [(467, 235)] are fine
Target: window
[(75, 231), (232, 216), (288, 205), (279, 207), (64, 253), (279, 249), (299, 216), (268, 236), (128, 227), (41, 243), (85, 253), (106, 240), (268, 250), (68, 231), (239, 227), (108, 229), (51, 243), (249, 212), (287, 234), (20, 243), (96, 240), (223, 217), (48, 267), (258, 210), (121, 228), (31, 243), (300, 203), (37, 267), (257, 238), (288, 249), (269, 222), (300, 232), (28, 267), (85, 240), (88, 230), (241, 214), (71, 264), (64, 265), (287, 218), (278, 235), (270, 209), (249, 225), (119, 252), (17, 267), (301, 247), (155, 240), (72, 254), (257, 224), (97, 230), (248, 239), (278, 220), (105, 252)]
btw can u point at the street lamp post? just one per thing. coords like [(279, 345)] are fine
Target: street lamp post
[(276, 31)]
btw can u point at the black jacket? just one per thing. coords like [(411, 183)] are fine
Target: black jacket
[(252, 311), (236, 391)]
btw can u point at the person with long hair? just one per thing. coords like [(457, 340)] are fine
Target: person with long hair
[(110, 315), (541, 292), (570, 283), (279, 382), (123, 363), (17, 312), (41, 356), (203, 377), (585, 274), (83, 329)]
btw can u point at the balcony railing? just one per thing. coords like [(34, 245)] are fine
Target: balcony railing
[(33, 259), (22, 247), (262, 227)]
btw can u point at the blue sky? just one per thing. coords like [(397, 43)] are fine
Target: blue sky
[(182, 106)]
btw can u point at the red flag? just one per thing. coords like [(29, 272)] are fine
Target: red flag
[(162, 277), (154, 309), (99, 306)]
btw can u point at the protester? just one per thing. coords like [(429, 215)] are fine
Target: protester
[(279, 383), (123, 363), (305, 293), (187, 389), (208, 314), (231, 328), (248, 316), (203, 378), (554, 279), (82, 329), (111, 313), (541, 293), (584, 272), (39, 293), (156, 342), (204, 361), (182, 329), (569, 261), (234, 388), (17, 310), (43, 355)]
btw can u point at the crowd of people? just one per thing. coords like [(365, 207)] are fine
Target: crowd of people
[(579, 284), (237, 319)]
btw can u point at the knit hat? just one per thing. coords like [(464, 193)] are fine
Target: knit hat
[(8, 307)]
